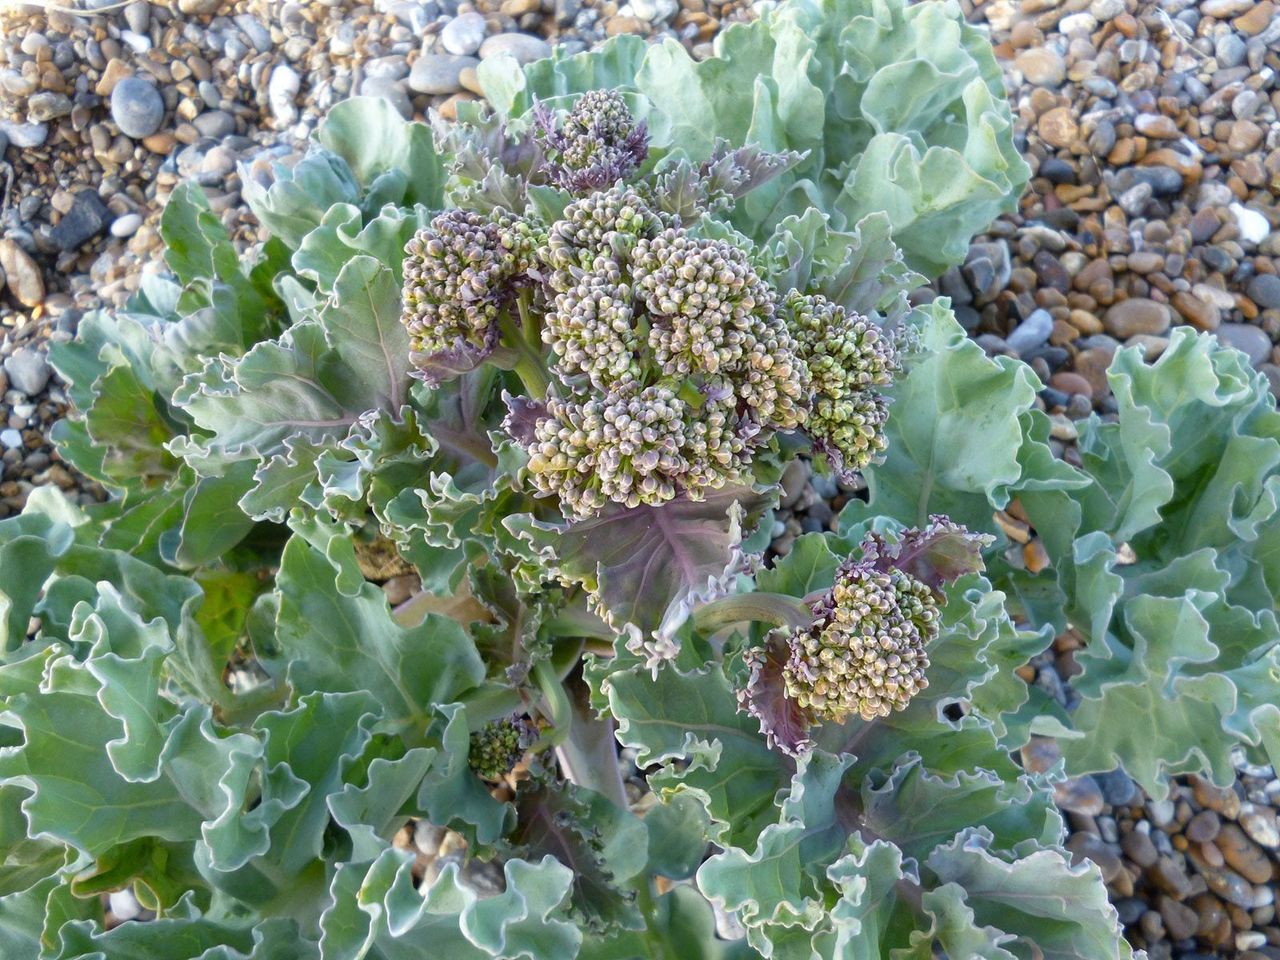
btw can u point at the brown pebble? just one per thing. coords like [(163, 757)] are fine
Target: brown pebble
[(1243, 855), (1137, 315), (1058, 128), (1071, 383), (162, 142), (1209, 911), (1203, 827), (1145, 261), (1256, 19), (1156, 125), (116, 70), (1201, 315), (616, 26), (1223, 799), (1137, 846)]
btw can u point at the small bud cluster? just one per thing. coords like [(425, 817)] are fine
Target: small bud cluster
[(674, 358), (865, 653), (849, 359), (499, 745), (458, 273), (598, 144)]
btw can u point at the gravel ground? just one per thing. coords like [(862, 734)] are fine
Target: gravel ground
[(1150, 126)]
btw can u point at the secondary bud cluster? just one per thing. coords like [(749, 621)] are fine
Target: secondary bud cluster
[(849, 360), (499, 745), (596, 145), (865, 653), (459, 271)]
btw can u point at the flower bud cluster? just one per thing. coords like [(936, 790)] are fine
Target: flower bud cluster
[(866, 651), (499, 745), (674, 359), (598, 144), (849, 359), (458, 272)]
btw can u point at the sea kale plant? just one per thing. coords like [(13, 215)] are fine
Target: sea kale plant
[(429, 614)]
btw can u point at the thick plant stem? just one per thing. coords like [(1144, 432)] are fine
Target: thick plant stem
[(589, 756), (557, 709), (772, 608), (528, 366)]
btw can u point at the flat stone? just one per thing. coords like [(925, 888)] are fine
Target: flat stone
[(1042, 67), (463, 34), (46, 105), (1058, 128), (1256, 19), (439, 73), (199, 6), (136, 107), (1243, 855), (1198, 313), (215, 124), (28, 371), (282, 88), (22, 274), (1134, 316), (521, 46), (1245, 136), (1071, 383), (1264, 290), (1252, 341), (87, 218), (1156, 125), (24, 135)]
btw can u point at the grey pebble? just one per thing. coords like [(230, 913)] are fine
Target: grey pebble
[(1031, 332), (521, 46), (252, 27), (390, 90), (1229, 50), (87, 218), (1252, 341), (215, 124), (138, 16), (136, 107), (464, 34), (1264, 290), (47, 106), (439, 73), (28, 371)]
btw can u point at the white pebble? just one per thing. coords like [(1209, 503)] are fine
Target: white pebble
[(11, 439), (281, 90), (126, 226), (1077, 21), (1254, 227)]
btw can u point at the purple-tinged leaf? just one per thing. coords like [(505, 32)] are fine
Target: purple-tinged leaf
[(522, 417), (646, 567), (940, 554), (784, 723)]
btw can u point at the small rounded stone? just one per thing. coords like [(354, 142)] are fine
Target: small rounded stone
[(136, 107)]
